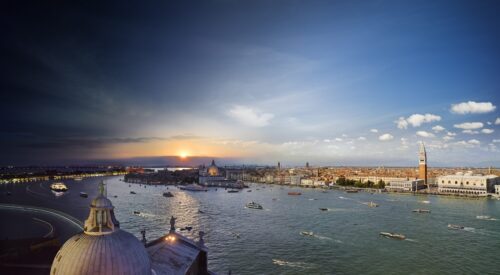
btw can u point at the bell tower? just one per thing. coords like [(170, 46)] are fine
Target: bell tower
[(422, 164)]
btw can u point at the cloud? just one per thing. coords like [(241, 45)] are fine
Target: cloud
[(361, 138), (402, 123), (451, 134), (327, 140), (250, 117), (470, 132), (472, 107), (469, 125), (438, 128), (385, 137), (416, 120), (487, 131), (474, 142), (338, 139), (425, 134), (497, 121), (448, 138), (496, 141), (374, 130)]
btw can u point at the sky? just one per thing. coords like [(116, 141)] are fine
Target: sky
[(256, 82)]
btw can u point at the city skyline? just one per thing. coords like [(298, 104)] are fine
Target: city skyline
[(331, 83)]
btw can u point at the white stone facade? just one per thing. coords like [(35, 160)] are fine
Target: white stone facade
[(467, 184)]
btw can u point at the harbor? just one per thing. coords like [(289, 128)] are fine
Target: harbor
[(346, 230)]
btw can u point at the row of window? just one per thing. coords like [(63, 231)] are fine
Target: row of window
[(467, 183)]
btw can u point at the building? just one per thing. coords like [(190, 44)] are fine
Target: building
[(468, 184), (497, 190), (295, 180), (103, 248), (210, 175), (405, 185), (422, 164)]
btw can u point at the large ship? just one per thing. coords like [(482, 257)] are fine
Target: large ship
[(58, 187)]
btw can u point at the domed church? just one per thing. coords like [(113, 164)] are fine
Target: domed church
[(103, 248), (213, 170)]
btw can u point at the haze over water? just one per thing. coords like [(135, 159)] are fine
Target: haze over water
[(346, 237)]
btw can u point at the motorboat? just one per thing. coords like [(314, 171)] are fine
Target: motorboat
[(137, 212), (371, 204), (201, 211), (294, 193), (323, 209), (484, 217), (84, 195), (455, 226), (351, 191), (254, 205), (58, 187), (132, 192), (324, 191), (78, 178), (249, 190), (421, 211), (233, 191), (393, 235), (307, 233), (167, 194)]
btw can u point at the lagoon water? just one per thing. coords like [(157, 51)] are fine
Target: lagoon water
[(346, 237)]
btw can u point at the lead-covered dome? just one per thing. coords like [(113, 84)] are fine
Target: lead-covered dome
[(102, 248), (213, 170)]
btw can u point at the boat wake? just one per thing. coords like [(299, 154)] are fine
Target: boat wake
[(411, 240), (291, 264), (486, 218), (146, 215)]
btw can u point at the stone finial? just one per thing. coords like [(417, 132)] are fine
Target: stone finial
[(143, 233), (201, 242), (172, 224), (101, 188)]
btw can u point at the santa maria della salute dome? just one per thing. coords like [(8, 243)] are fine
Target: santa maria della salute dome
[(103, 248)]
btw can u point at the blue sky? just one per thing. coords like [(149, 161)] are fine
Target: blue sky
[(252, 81)]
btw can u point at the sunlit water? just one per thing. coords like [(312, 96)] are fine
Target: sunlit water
[(345, 238)]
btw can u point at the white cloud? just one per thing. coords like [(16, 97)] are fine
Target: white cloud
[(425, 134), (487, 131), (474, 142), (451, 134), (250, 116), (496, 140), (489, 122), (470, 132), (374, 130), (361, 138), (344, 135), (472, 107), (497, 121), (338, 139), (327, 140), (385, 137), (469, 125), (416, 120), (438, 128), (448, 138), (402, 123)]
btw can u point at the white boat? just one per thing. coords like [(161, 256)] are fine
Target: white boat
[(455, 226), (58, 187), (307, 233), (484, 217), (393, 235), (371, 204), (254, 205)]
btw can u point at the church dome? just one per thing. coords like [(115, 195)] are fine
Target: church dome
[(102, 248), (213, 170)]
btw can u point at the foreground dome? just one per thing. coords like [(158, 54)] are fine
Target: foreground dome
[(102, 248)]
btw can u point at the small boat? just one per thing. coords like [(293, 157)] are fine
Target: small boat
[(393, 235), (200, 211), (371, 204), (426, 202), (78, 178), (307, 233), (484, 217), (137, 212), (455, 226), (167, 194), (351, 191), (193, 187), (323, 209), (188, 228), (115, 196), (59, 187), (249, 190), (84, 195), (324, 191), (233, 191), (421, 211), (254, 205), (132, 192), (294, 193), (274, 199)]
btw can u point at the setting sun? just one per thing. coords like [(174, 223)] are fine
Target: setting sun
[(183, 155)]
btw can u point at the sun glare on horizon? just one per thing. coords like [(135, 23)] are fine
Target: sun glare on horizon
[(183, 155)]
